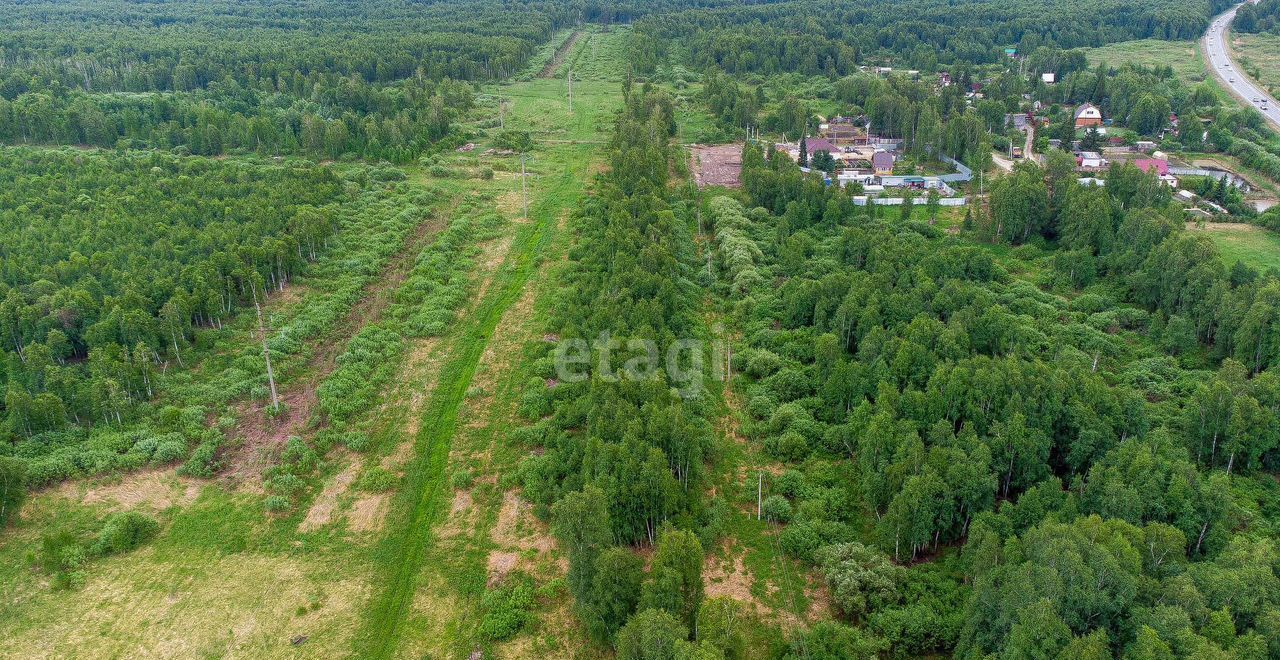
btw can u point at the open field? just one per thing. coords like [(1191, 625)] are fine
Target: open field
[(1259, 53), (1183, 56), (1254, 246)]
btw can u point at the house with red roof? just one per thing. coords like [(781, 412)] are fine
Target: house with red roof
[(814, 145), (1161, 169)]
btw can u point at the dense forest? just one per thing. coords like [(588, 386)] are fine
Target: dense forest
[(818, 38), (1090, 420), (115, 267), (1263, 16), (372, 80)]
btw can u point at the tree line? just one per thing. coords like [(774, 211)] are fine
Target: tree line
[(816, 38)]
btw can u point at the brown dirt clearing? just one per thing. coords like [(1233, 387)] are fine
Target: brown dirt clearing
[(718, 165)]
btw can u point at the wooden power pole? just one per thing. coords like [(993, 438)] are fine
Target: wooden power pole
[(524, 192), (266, 353)]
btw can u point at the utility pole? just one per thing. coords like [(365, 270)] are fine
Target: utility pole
[(571, 88), (266, 353), (524, 192), (502, 113), (759, 492)]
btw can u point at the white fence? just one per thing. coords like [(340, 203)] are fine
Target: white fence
[(861, 200)]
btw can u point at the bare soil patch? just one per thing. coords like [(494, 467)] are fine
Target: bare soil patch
[(717, 165)]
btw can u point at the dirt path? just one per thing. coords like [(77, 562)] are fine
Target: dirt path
[(565, 48)]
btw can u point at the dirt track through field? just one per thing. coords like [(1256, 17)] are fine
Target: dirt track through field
[(422, 501), (549, 71)]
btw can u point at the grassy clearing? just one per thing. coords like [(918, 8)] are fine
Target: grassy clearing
[(1254, 246), (219, 580), (1183, 56), (1259, 53), (416, 606), (370, 574)]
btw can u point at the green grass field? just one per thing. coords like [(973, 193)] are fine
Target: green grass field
[(1259, 53), (1254, 246), (1184, 56)]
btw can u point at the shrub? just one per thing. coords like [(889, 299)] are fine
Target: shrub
[(124, 532), (789, 446), (789, 484), (513, 141), (763, 363), (276, 503), (170, 448), (461, 479), (800, 540), (861, 579), (13, 488), (776, 509), (61, 555), (377, 480), (355, 441), (204, 460), (762, 406), (507, 608)]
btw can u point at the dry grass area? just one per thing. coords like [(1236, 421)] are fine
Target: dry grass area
[(725, 574), (326, 503), (156, 490), (244, 605)]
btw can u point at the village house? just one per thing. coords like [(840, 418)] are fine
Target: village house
[(1019, 120), (1160, 167), (1088, 115), (1091, 161), (882, 162), (1048, 78), (814, 145)]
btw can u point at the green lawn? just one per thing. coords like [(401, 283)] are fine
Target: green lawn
[(1252, 245)]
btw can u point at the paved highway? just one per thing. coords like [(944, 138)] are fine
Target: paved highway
[(1230, 74)]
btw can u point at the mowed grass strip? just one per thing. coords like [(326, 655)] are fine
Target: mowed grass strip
[(418, 504)]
